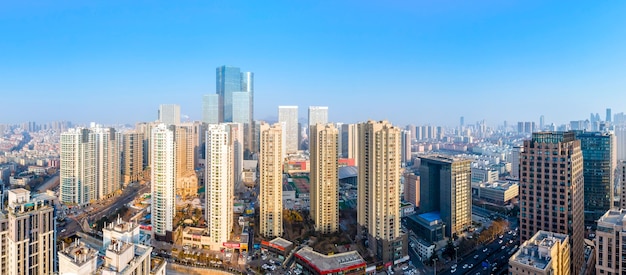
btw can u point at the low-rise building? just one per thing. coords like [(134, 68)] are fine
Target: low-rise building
[(609, 239), (499, 192), (424, 249), (315, 263), (546, 253), (278, 245), (427, 226), (196, 237)]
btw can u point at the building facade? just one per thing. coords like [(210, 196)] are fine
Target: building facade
[(163, 179), (546, 253), (289, 116), (27, 235), (599, 161), (609, 240), (132, 156), (318, 115), (271, 180), (412, 188), (169, 114), (350, 141), (445, 185), (378, 200), (108, 161), (551, 189), (78, 179), (324, 177)]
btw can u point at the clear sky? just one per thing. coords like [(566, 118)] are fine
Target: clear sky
[(405, 61)]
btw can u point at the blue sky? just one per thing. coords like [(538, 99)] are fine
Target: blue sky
[(406, 61)]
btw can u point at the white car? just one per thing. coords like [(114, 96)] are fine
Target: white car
[(485, 250), (465, 266), (500, 241), (453, 270), (475, 256)]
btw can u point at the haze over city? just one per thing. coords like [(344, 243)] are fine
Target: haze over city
[(408, 61)]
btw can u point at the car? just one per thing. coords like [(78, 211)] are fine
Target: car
[(405, 267), (470, 266), (501, 236), (453, 270), (500, 241), (494, 269), (503, 247), (453, 266), (510, 241), (465, 266), (485, 250), (475, 256)]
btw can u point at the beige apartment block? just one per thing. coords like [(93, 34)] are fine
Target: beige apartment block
[(271, 180), (324, 177)]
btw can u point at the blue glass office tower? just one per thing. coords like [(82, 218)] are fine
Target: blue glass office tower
[(599, 161)]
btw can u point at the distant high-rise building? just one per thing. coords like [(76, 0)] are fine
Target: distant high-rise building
[(621, 180), (405, 155), (318, 115), (350, 141), (542, 123), (235, 90), (412, 188), (169, 114), (163, 178), (608, 115), (562, 185), (78, 179), (289, 116), (620, 142), (27, 235), (546, 253), (271, 180), (598, 170), (220, 183), (324, 177), (445, 186), (515, 161), (132, 156), (108, 161), (378, 201), (187, 139), (462, 122), (610, 257), (211, 112)]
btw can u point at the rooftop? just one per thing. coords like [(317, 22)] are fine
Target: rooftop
[(281, 242), (502, 185), (121, 226), (431, 216), (613, 217), (79, 253), (536, 251), (330, 263), (348, 172)]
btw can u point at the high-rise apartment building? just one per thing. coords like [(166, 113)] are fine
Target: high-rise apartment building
[(318, 115), (169, 114), (552, 191), (445, 186), (405, 155), (222, 141), (599, 161), (233, 102), (620, 142), (324, 177), (378, 200), (27, 235), (163, 178), (187, 157), (546, 253), (78, 258), (132, 156), (621, 179), (609, 241), (271, 180), (289, 116), (515, 161), (78, 179), (108, 161)]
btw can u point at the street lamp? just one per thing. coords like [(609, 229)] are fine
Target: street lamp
[(435, 265)]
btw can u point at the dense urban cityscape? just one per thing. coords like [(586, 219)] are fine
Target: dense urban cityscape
[(310, 196), (312, 137)]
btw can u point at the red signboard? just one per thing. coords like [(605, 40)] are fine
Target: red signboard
[(230, 245)]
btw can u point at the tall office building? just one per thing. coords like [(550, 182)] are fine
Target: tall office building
[(620, 142), (609, 241), (445, 186), (289, 116), (318, 115), (324, 177), (271, 180), (378, 200), (163, 179), (169, 114), (546, 253), (234, 102), (608, 115), (145, 128), (108, 161), (542, 123), (211, 112), (132, 156), (350, 141), (405, 155), (27, 235), (598, 171), (620, 190), (412, 188), (515, 161), (552, 191), (78, 179), (220, 183)]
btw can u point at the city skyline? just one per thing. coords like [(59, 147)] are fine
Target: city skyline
[(472, 59)]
